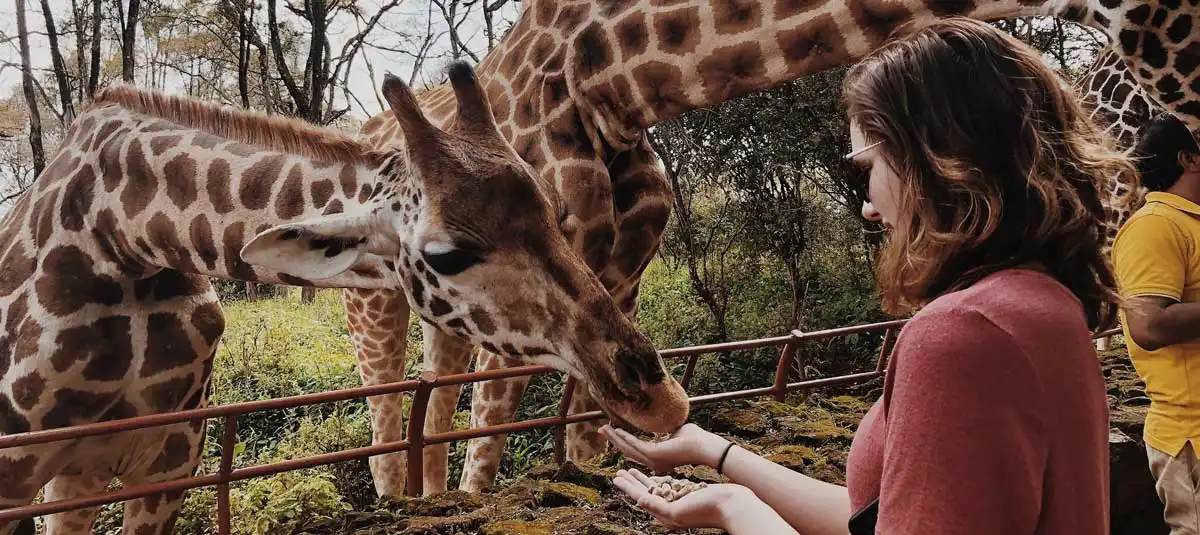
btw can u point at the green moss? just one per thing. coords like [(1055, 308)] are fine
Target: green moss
[(516, 527), (559, 494)]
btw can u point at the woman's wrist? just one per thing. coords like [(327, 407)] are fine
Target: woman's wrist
[(744, 512), (712, 448)]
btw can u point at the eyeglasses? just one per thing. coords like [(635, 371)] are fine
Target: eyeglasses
[(862, 150)]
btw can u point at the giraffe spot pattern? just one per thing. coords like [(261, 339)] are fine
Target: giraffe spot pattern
[(105, 346), (678, 31), (334, 207), (176, 452), (200, 233), (19, 471), (875, 19), (290, 203), (570, 17), (633, 38), (813, 45), (77, 199), (42, 218), (418, 290), (180, 177), (736, 16), (167, 344), (170, 284), (234, 239), (1180, 28), (161, 144), (482, 320), (27, 390), (141, 184), (254, 187), (208, 320), (163, 235), (732, 71), (68, 282), (73, 406), (661, 85), (60, 166), (113, 244), (439, 306), (322, 191), (18, 268), (219, 186), (168, 395)]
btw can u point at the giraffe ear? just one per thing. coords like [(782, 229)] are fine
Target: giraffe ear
[(318, 248)]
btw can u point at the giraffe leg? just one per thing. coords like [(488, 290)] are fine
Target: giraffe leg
[(444, 355), (583, 440), (177, 457), (23, 472), (378, 323), (492, 403), (67, 486)]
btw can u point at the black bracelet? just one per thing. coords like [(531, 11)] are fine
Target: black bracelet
[(721, 463)]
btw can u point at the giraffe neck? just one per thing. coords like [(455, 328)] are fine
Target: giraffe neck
[(149, 194), (644, 63)]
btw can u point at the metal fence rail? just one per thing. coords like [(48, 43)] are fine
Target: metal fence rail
[(789, 358)]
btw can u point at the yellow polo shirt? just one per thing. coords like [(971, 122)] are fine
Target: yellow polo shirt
[(1157, 252)]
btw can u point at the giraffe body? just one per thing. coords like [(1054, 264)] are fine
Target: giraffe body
[(109, 313), (576, 84)]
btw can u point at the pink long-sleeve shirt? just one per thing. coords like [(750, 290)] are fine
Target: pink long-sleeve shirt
[(993, 418)]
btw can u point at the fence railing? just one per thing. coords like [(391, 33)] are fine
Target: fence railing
[(789, 358)]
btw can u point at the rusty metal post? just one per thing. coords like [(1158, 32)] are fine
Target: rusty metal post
[(779, 388), (228, 439), (688, 370), (560, 431), (416, 432)]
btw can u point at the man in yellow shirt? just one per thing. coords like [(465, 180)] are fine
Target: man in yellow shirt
[(1156, 257)]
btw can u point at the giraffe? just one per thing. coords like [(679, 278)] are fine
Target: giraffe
[(1118, 102), (577, 84), (109, 313)]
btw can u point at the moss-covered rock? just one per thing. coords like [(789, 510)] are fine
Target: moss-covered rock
[(516, 527), (558, 494), (454, 502)]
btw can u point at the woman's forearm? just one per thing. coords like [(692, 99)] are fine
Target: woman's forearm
[(809, 505), (753, 517)]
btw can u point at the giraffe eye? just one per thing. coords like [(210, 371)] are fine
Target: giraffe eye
[(449, 260)]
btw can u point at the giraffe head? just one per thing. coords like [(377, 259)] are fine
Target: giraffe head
[(476, 248)]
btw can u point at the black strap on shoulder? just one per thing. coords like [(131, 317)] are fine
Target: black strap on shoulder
[(862, 522)]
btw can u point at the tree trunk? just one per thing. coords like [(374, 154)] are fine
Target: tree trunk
[(243, 53), (80, 52), (308, 294), (94, 72), (128, 39), (60, 67), (35, 117), (251, 291)]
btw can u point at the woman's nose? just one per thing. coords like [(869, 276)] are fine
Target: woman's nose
[(869, 213)]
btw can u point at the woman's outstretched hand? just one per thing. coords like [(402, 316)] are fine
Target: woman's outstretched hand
[(709, 507), (689, 445)]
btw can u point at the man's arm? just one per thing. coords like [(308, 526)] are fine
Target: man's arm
[(1156, 322), (1150, 260)]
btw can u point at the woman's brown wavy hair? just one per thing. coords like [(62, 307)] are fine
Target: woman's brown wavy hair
[(999, 162)]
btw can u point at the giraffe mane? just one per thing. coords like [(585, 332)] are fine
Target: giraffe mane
[(271, 132)]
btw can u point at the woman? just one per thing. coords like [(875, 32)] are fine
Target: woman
[(993, 418)]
